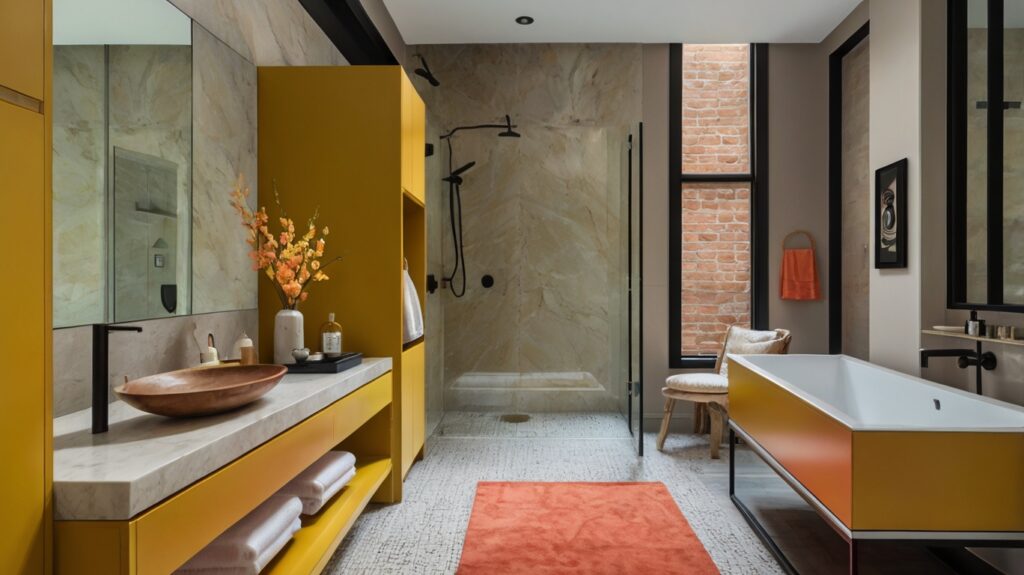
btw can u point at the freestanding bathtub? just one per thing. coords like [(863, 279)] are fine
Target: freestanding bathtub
[(880, 454)]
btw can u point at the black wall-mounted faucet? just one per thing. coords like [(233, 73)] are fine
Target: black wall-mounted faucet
[(100, 371), (965, 358)]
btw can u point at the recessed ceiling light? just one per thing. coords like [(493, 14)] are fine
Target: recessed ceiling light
[(524, 20)]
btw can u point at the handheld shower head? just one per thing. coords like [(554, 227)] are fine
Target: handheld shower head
[(509, 132), (456, 176), (424, 72)]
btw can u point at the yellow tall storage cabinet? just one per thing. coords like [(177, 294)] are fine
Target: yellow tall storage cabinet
[(25, 413), (349, 141)]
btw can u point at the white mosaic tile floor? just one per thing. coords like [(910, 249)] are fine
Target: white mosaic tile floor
[(424, 533)]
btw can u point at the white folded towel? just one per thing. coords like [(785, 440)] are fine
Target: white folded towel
[(253, 567), (314, 481), (412, 314), (312, 505), (245, 542)]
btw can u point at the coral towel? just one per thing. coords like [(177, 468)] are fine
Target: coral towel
[(799, 277)]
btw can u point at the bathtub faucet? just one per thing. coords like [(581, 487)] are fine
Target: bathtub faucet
[(967, 357)]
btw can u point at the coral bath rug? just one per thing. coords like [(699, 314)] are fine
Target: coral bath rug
[(593, 528)]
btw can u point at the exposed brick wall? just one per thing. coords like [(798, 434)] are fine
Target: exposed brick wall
[(716, 217)]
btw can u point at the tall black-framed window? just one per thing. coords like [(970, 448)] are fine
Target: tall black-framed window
[(718, 196), (985, 239)]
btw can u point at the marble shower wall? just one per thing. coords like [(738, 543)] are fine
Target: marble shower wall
[(540, 214)]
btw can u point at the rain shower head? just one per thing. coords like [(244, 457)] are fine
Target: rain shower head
[(456, 176), (509, 132), (424, 72)]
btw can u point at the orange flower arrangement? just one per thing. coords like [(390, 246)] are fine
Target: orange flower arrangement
[(291, 262)]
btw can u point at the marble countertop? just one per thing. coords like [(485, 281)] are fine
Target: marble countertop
[(146, 458)]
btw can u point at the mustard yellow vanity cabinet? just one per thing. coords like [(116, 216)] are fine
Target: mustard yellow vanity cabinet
[(160, 539), (25, 413), (349, 142)]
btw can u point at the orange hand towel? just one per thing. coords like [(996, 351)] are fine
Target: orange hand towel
[(799, 277)]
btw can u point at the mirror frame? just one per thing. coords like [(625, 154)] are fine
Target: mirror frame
[(956, 156)]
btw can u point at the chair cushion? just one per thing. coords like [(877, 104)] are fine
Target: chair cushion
[(743, 341), (698, 383)]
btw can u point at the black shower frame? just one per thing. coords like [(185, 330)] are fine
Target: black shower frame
[(757, 178)]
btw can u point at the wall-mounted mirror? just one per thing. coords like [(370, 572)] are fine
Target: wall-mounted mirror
[(986, 138), (122, 161), (140, 230)]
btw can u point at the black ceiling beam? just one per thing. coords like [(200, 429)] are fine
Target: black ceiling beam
[(349, 27)]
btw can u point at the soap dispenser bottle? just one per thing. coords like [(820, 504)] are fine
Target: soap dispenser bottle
[(330, 337), (973, 326)]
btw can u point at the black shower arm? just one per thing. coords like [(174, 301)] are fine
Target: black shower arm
[(477, 127)]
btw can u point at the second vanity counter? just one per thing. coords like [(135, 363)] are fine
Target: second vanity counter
[(144, 459)]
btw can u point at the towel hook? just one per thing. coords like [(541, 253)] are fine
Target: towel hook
[(793, 233)]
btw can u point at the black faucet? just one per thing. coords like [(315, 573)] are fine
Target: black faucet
[(965, 358), (100, 369)]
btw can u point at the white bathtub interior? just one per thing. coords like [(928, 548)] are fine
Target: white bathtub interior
[(864, 396)]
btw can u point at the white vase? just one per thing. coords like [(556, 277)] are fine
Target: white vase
[(287, 335)]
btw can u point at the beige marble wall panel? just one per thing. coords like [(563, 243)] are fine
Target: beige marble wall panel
[(857, 201), (79, 284), (165, 344), (225, 146), (265, 32)]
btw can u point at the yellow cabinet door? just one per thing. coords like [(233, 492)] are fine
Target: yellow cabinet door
[(24, 293), (413, 405), (22, 46)]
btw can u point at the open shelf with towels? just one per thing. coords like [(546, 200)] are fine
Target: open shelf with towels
[(321, 534)]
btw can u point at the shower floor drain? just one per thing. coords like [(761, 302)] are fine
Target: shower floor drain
[(515, 418)]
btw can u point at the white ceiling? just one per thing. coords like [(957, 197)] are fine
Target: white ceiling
[(641, 21), (153, 22)]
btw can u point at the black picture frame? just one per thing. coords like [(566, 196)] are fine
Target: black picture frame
[(891, 216)]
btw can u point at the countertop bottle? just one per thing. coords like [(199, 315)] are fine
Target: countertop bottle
[(330, 337)]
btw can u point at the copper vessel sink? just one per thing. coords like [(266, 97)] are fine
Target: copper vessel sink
[(200, 391)]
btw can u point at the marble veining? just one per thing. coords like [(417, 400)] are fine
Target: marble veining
[(79, 283), (225, 147), (145, 458), (266, 32)]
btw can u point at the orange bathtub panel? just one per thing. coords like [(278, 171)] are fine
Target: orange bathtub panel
[(938, 481), (814, 448)]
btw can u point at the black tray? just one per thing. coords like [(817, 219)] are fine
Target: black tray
[(347, 360)]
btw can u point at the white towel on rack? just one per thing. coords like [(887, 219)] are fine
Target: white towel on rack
[(314, 481), (313, 505), (246, 543), (412, 314)]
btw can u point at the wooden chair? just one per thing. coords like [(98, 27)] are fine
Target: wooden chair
[(710, 391)]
